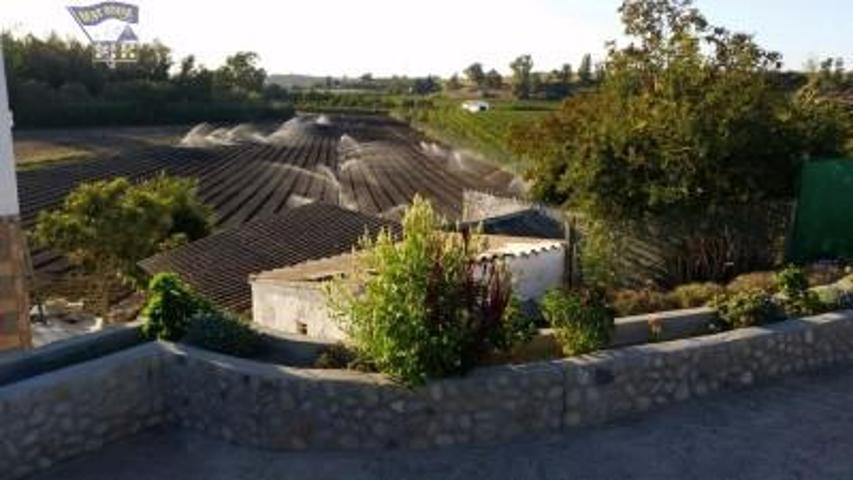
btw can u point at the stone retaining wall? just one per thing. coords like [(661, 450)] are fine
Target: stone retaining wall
[(284, 408), (61, 414)]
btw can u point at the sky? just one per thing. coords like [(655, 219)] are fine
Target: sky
[(384, 37)]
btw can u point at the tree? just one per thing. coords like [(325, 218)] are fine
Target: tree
[(493, 80), (241, 72), (475, 74), (425, 86), (566, 75), (453, 83), (585, 69), (521, 76), (675, 125), (106, 227)]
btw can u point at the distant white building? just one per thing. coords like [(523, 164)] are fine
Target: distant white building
[(475, 106), (292, 299)]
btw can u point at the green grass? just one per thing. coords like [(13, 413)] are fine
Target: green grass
[(485, 132)]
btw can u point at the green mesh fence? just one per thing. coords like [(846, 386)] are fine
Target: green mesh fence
[(823, 227)]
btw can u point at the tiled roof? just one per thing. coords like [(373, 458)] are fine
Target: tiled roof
[(218, 266)]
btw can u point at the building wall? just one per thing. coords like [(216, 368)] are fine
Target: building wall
[(14, 300), (283, 307), (536, 273)]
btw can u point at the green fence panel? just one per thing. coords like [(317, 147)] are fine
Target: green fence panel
[(823, 228)]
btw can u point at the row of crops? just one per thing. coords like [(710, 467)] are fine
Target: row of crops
[(485, 132), (372, 167)]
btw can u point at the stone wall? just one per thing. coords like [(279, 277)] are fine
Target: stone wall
[(14, 302), (62, 414), (283, 408)]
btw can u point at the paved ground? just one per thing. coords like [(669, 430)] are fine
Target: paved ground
[(801, 428)]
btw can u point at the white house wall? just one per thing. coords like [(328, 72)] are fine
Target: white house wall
[(284, 307)]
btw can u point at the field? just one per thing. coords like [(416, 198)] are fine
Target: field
[(485, 132), (371, 164), (37, 148)]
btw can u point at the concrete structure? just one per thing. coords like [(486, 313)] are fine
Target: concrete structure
[(476, 106), (291, 300), (65, 413), (14, 300)]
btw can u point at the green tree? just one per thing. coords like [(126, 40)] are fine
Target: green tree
[(241, 72), (521, 76), (675, 126), (475, 74), (453, 83), (106, 227), (585, 69), (493, 80)]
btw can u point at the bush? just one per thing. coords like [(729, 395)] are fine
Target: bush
[(582, 321), (695, 295), (824, 273), (336, 356), (637, 302), (425, 307), (746, 308), (796, 298), (764, 281), (170, 306), (223, 333)]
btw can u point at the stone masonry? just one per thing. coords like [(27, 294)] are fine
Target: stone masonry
[(14, 302), (58, 415)]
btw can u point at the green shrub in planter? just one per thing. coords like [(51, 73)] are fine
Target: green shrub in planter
[(170, 305), (425, 307), (582, 320), (636, 302), (796, 298), (746, 308), (694, 295), (223, 333)]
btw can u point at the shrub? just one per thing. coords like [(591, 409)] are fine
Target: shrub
[(582, 321), (695, 295), (746, 308), (636, 302), (336, 356), (764, 281), (425, 307), (791, 281), (223, 333), (824, 273), (797, 299), (834, 298), (170, 306)]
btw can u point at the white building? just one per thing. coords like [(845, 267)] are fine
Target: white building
[(292, 300), (475, 106)]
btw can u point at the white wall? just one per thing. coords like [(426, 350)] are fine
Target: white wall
[(283, 307), (8, 182), (533, 275)]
